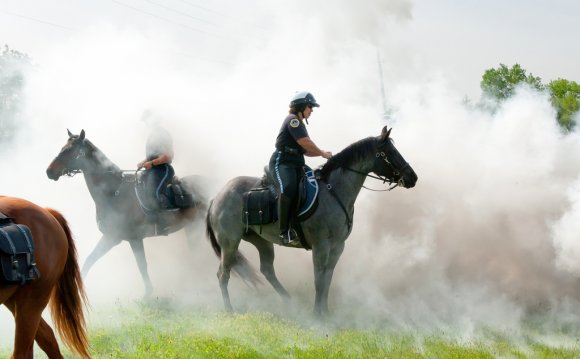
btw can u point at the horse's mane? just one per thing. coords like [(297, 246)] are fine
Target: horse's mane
[(100, 156), (345, 158)]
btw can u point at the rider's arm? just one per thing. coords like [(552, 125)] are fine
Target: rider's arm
[(159, 160), (164, 158), (311, 149)]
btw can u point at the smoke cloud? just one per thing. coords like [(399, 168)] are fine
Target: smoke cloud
[(485, 238)]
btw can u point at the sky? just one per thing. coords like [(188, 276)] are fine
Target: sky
[(488, 232)]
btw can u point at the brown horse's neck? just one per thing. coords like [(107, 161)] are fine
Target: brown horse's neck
[(102, 176)]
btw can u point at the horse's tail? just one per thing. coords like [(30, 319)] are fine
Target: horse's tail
[(69, 297), (241, 264), (210, 234)]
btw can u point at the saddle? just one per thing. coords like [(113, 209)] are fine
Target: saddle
[(17, 264), (174, 197), (260, 204)]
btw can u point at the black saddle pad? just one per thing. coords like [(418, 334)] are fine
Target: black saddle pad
[(17, 264)]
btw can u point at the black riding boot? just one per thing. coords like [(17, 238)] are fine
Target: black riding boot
[(287, 234), (162, 224)]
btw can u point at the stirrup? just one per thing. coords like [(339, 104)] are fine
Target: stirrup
[(289, 237)]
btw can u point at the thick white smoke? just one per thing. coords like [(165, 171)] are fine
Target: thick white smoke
[(486, 236), (473, 240)]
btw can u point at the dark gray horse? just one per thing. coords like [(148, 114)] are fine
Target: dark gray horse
[(119, 215), (341, 179)]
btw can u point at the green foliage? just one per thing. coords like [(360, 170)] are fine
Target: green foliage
[(500, 83), (13, 65), (565, 97)]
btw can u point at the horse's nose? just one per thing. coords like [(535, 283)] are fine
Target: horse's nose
[(52, 174), (413, 180), (410, 179)]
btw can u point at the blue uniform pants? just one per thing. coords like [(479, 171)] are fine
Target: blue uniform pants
[(158, 177)]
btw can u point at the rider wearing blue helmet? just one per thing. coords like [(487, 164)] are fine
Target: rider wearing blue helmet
[(287, 160)]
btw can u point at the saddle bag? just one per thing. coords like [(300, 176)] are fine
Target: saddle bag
[(258, 207), (180, 198), (17, 264)]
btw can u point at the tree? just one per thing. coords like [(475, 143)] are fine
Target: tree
[(565, 97), (13, 65), (500, 83)]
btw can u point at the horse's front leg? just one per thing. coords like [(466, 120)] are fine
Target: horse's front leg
[(103, 247), (320, 255), (335, 252), (325, 257), (139, 253)]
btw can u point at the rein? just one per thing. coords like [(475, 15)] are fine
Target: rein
[(72, 173), (391, 181), (384, 179)]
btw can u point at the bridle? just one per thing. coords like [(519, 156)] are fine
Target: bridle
[(72, 172), (381, 155), (82, 154)]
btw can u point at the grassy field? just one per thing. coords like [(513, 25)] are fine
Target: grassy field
[(157, 330)]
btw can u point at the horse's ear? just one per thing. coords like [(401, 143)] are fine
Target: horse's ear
[(385, 133), (82, 135), (69, 133)]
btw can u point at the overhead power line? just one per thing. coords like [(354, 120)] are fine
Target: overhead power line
[(180, 13), (157, 16), (39, 21), (201, 7), (261, 27), (70, 29)]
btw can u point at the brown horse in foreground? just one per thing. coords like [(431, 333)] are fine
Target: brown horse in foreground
[(60, 283)]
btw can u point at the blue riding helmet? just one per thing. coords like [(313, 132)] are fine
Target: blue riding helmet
[(303, 98)]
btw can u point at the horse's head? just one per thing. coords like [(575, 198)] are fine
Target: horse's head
[(390, 164), (67, 162)]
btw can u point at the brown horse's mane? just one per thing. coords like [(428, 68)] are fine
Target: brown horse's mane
[(97, 154), (345, 158)]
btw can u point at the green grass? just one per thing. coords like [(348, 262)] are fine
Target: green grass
[(156, 330)]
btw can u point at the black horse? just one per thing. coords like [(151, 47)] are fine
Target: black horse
[(119, 215), (325, 231)]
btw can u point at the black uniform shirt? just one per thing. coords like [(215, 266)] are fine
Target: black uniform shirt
[(159, 142), (292, 129)]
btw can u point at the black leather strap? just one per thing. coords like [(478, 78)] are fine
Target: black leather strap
[(348, 219)]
